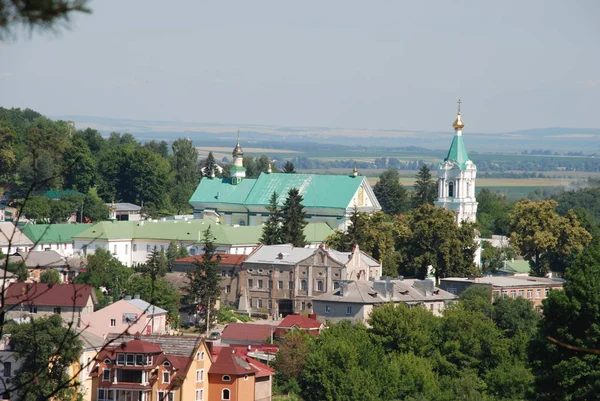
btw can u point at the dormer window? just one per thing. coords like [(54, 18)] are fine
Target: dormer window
[(167, 364), (107, 361), (226, 378)]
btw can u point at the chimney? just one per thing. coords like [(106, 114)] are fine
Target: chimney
[(136, 296), (312, 316), (128, 298)]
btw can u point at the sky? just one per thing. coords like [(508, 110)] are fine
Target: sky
[(337, 63)]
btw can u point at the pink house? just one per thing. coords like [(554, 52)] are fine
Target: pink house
[(132, 315)]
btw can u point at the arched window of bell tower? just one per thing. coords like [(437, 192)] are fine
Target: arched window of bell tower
[(451, 189)]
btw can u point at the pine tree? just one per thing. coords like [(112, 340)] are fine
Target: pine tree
[(272, 234), (210, 164), (294, 219), (425, 188), (156, 264), (392, 195), (289, 168), (203, 289)]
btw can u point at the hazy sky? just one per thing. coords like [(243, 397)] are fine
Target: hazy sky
[(355, 64)]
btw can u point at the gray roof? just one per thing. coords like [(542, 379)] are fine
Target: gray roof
[(41, 259), (125, 207), (171, 345), (377, 292), (150, 309), (290, 255), (9, 231), (507, 281), (343, 257)]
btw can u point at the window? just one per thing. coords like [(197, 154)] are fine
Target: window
[(107, 361), (280, 284), (260, 305), (303, 285), (260, 284), (165, 396), (105, 394), (521, 293), (167, 364), (270, 304), (105, 375), (336, 285), (149, 360), (229, 273), (504, 293), (33, 309), (496, 294), (130, 359), (547, 291), (291, 285), (113, 322), (349, 310), (134, 248), (227, 289), (327, 309), (303, 305), (223, 273), (120, 359), (115, 249), (148, 249), (7, 369), (88, 365), (320, 285), (250, 302), (166, 377), (57, 311), (192, 251), (225, 394), (450, 189), (200, 375), (529, 294), (538, 293), (226, 378), (270, 284), (199, 395), (139, 359), (513, 294), (245, 377), (250, 283)]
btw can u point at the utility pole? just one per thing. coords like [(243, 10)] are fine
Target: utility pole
[(207, 317)]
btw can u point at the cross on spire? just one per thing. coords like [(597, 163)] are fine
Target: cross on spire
[(458, 102)]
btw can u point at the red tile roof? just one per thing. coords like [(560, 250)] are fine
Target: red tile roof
[(247, 332), (300, 321), (40, 294), (138, 346), (232, 363), (226, 259), (263, 370)]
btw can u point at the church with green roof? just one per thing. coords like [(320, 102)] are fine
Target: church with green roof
[(238, 200)]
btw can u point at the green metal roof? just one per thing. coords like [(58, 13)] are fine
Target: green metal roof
[(53, 233), (516, 266), (58, 194), (458, 152), (318, 190), (192, 230)]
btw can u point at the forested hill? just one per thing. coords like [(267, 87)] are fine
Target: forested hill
[(38, 154)]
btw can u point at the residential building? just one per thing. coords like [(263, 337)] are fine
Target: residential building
[(282, 279), (132, 241), (39, 261), (132, 315), (247, 333), (229, 269), (514, 267), (123, 211), (237, 377), (54, 237), (239, 200), (71, 301), (12, 239), (354, 300), (456, 181), (152, 368), (7, 278), (308, 324), (92, 344), (534, 289)]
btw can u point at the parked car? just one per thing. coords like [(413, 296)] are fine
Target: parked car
[(215, 335)]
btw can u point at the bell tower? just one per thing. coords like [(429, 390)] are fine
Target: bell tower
[(238, 171), (456, 178)]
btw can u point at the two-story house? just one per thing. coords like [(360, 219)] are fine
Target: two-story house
[(152, 368), (282, 279)]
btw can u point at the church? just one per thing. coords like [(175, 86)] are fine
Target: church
[(456, 181), (238, 200)]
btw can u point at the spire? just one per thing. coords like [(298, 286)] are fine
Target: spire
[(237, 151), (458, 123), (354, 170), (269, 167)]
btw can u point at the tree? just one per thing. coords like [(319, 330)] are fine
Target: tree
[(94, 209), (160, 148), (79, 166), (104, 270), (44, 15), (37, 209), (289, 168), (436, 240), (425, 188), (392, 195), (493, 209), (545, 239), (210, 165), (171, 254), (562, 367), (156, 264), (272, 230), (493, 258), (294, 219), (157, 291), (185, 173), (50, 276), (289, 364), (478, 299), (203, 289), (46, 349)]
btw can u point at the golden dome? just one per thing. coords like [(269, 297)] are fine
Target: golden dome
[(458, 123), (237, 151)]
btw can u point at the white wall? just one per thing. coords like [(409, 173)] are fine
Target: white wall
[(64, 249)]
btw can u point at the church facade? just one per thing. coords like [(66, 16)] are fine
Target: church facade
[(238, 200), (456, 181)]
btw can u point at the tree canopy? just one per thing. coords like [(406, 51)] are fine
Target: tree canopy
[(294, 219), (392, 195)]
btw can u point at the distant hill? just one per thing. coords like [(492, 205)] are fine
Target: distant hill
[(556, 139)]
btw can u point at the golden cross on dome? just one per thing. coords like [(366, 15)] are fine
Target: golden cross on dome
[(458, 102)]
